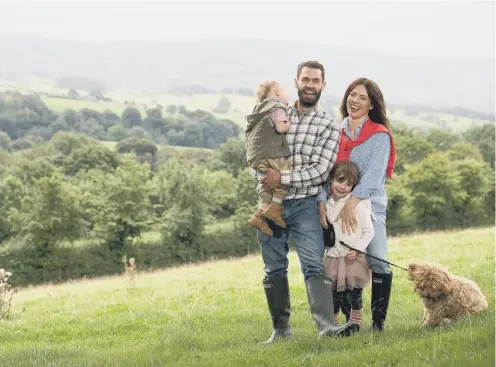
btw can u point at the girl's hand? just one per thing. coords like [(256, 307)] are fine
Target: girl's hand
[(348, 216), (322, 212), (352, 255)]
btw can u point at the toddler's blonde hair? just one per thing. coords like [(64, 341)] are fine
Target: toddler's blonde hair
[(264, 88)]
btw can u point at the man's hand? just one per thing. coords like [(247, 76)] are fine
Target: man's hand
[(352, 255), (322, 212), (271, 179)]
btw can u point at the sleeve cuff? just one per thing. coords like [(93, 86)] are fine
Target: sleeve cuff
[(285, 178), (322, 196), (358, 192)]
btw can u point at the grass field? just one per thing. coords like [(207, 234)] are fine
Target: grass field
[(243, 105), (61, 104), (458, 124), (214, 314), (192, 103), (240, 106)]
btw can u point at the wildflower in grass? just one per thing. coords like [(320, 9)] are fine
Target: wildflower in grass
[(6, 293)]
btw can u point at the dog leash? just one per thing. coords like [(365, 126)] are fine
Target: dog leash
[(373, 257)]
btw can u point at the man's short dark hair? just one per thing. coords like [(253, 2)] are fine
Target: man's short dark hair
[(311, 64)]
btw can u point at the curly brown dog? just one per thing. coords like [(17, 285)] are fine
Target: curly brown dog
[(445, 296)]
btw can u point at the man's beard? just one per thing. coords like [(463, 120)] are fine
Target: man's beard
[(307, 103)]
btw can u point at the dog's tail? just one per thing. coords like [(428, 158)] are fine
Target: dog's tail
[(482, 305), (479, 302)]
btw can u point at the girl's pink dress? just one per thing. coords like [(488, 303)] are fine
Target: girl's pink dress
[(344, 273)]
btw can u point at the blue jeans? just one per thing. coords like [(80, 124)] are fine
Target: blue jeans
[(378, 247), (303, 225)]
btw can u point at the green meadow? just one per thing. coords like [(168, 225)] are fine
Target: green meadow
[(214, 314)]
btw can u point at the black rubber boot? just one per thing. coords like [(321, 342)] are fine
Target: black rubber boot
[(277, 293), (320, 300), (381, 292)]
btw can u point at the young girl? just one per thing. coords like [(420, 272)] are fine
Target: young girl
[(347, 269), (266, 147)]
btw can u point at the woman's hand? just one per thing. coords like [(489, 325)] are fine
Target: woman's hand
[(322, 212), (348, 216)]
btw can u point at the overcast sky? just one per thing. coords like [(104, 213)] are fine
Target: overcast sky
[(460, 29)]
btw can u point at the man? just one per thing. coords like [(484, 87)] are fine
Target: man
[(313, 140)]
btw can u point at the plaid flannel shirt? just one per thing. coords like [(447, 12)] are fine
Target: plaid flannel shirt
[(313, 141)]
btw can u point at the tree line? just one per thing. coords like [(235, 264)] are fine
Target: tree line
[(25, 120), (72, 207)]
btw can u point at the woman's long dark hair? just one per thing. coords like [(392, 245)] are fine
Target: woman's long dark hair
[(378, 113)]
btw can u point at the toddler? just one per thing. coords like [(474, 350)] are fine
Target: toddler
[(266, 147)]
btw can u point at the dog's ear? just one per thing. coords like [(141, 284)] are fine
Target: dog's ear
[(448, 286), (411, 272), (446, 283)]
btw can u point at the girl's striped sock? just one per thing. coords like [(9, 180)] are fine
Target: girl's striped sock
[(356, 316), (336, 318)]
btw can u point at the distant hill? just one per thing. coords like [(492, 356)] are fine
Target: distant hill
[(222, 63)]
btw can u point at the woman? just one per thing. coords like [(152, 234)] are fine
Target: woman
[(366, 141)]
